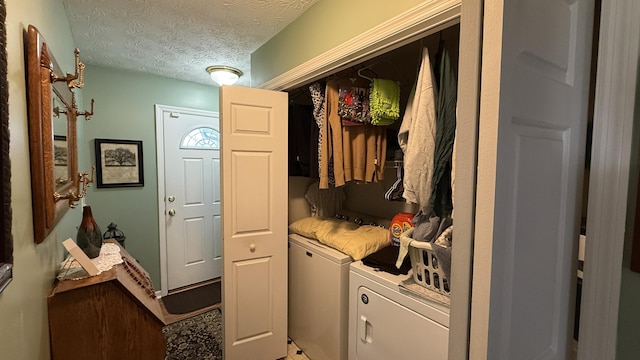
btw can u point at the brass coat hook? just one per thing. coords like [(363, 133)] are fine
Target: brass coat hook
[(83, 184), (87, 114), (73, 80)]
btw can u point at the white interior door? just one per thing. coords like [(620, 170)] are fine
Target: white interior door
[(191, 196), (533, 119), (254, 183)]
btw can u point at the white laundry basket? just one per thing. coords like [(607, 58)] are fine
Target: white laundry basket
[(426, 265)]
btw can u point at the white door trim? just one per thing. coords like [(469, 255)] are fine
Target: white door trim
[(420, 21), (159, 110), (466, 155), (609, 181)]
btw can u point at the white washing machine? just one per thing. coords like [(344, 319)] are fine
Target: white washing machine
[(318, 298), (385, 323)]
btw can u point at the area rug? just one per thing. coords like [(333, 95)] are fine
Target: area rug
[(193, 299), (198, 337)]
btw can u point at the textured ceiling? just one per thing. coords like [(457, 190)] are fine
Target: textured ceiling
[(177, 38)]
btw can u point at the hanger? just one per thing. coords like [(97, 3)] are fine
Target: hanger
[(366, 68)]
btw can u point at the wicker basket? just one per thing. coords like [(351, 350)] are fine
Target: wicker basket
[(425, 265)]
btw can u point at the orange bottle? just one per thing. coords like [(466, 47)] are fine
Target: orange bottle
[(399, 224)]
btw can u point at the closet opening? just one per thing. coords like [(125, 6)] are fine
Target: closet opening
[(401, 65), (375, 198)]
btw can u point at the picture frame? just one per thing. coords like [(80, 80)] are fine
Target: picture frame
[(119, 163), (60, 161), (59, 150), (6, 215)]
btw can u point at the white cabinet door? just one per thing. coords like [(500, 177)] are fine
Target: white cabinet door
[(532, 129), (254, 212)]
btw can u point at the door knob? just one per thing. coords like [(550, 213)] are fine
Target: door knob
[(252, 247), (171, 198), (172, 212)]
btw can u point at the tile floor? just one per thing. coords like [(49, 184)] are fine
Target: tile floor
[(294, 352)]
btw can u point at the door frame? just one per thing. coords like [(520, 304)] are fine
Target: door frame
[(162, 225), (614, 106), (608, 187)]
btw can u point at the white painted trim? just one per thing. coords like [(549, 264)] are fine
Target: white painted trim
[(466, 154), (162, 234), (420, 21), (491, 73), (162, 238), (609, 179)]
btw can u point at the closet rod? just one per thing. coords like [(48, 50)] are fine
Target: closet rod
[(370, 67)]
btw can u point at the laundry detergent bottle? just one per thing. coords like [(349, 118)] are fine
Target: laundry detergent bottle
[(400, 223)]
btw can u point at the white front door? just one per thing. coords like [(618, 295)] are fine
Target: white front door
[(532, 130), (190, 196), (254, 183)]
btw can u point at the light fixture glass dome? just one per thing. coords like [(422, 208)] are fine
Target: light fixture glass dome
[(224, 75)]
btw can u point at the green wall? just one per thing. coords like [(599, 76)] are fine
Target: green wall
[(23, 307), (628, 346), (324, 26), (124, 109)]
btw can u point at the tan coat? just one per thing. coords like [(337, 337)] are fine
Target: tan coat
[(358, 152)]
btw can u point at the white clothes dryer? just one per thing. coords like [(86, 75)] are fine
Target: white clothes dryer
[(385, 323)]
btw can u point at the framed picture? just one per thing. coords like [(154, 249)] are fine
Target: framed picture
[(60, 170), (119, 163), (59, 150)]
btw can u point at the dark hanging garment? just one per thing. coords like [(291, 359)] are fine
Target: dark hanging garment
[(301, 125), (314, 171), (441, 197), (317, 99)]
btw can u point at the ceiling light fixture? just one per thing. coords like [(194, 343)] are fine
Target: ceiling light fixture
[(224, 75)]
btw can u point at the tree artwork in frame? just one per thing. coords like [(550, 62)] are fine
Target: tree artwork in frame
[(60, 163), (119, 163)]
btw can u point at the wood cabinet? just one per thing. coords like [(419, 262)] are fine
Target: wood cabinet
[(114, 315)]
